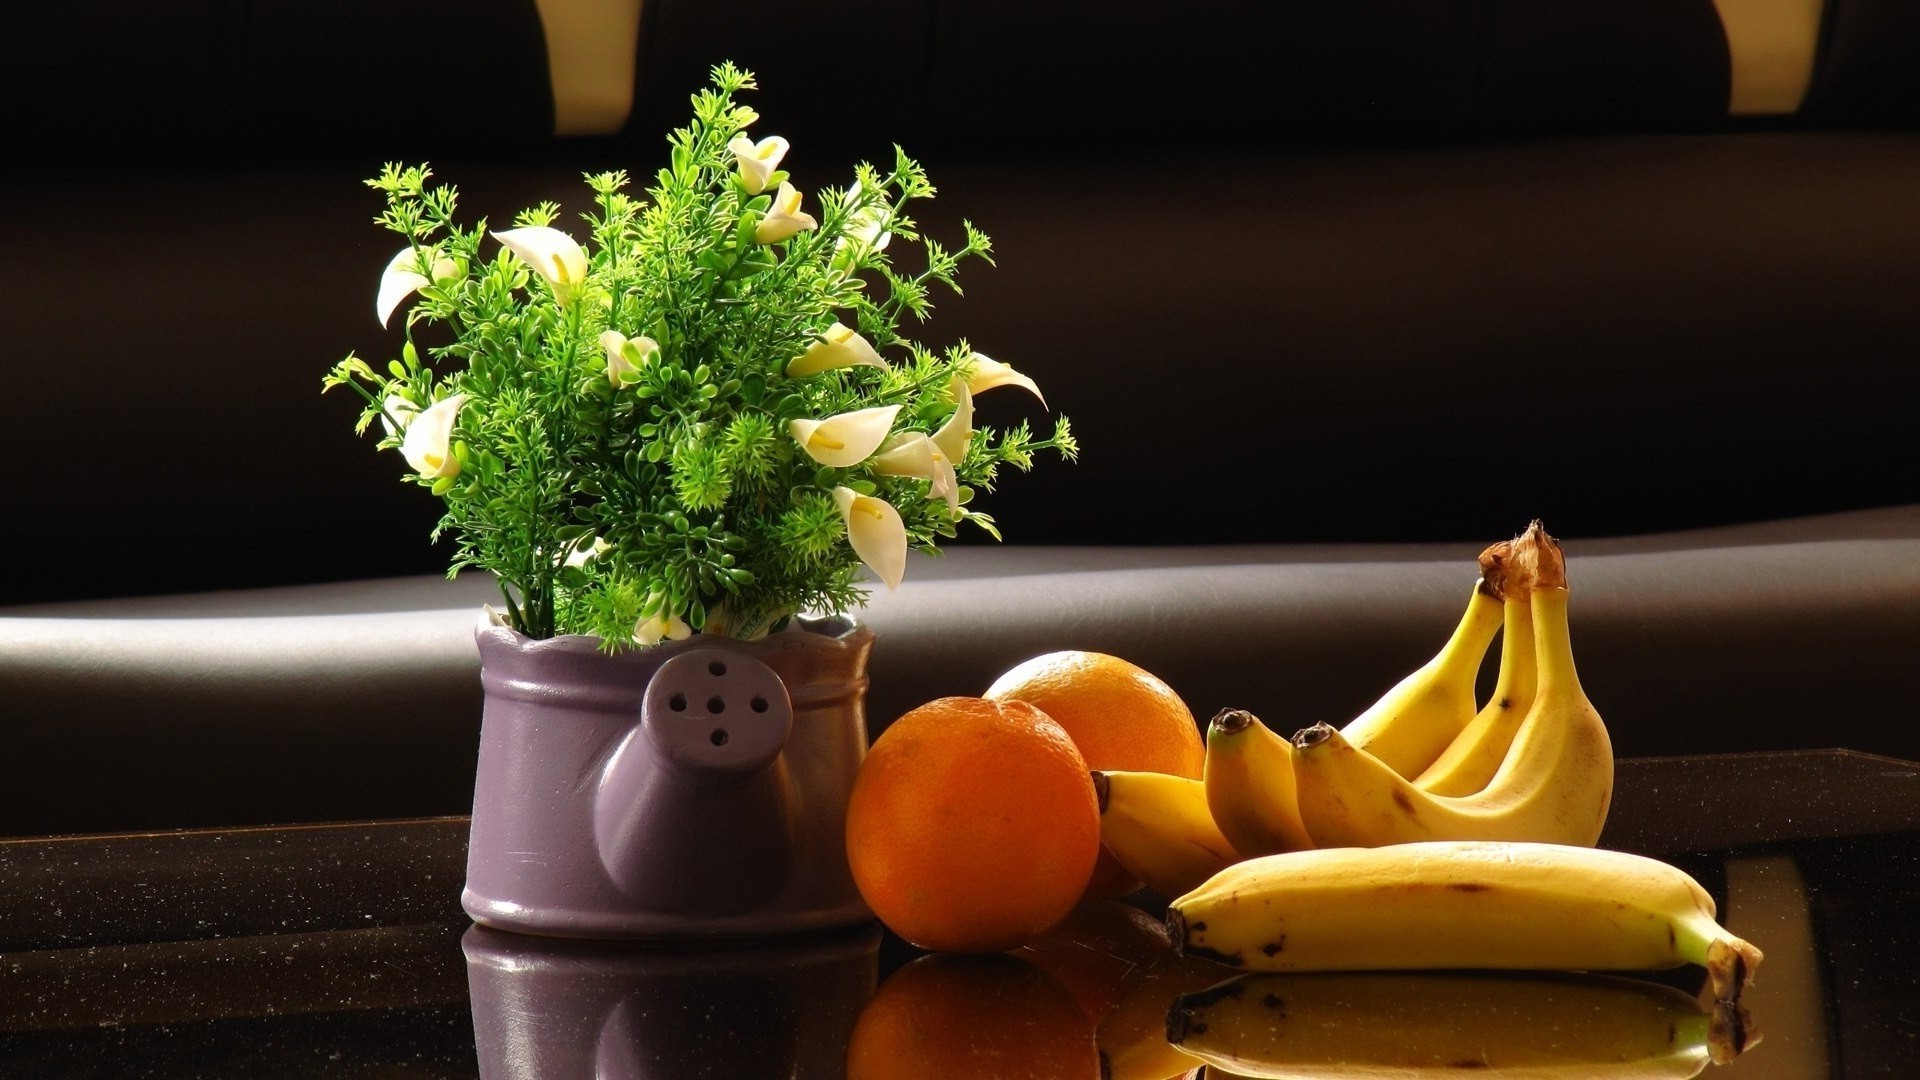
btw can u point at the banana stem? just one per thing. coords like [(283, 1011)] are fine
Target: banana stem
[(1232, 721), (1552, 644), (1471, 636), (1730, 961), (1519, 672)]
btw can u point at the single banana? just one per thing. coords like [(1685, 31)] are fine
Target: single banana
[(1554, 785), (1158, 827), (1473, 758), (1249, 784), (1459, 904), (1414, 721), (1347, 1025)]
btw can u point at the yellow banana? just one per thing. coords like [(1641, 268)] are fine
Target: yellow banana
[(1158, 827), (1326, 1026), (1249, 784), (1473, 757), (1459, 904), (1554, 785), (1414, 721)]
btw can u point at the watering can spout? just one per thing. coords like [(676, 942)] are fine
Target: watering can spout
[(694, 811)]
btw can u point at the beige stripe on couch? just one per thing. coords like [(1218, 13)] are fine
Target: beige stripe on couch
[(1772, 43)]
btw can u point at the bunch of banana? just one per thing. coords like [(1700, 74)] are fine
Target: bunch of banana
[(1552, 784), (1460, 904), (1171, 832), (1431, 833), (1441, 1024)]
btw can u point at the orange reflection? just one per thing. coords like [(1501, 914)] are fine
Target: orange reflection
[(959, 1016)]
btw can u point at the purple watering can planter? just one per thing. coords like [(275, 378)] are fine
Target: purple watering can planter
[(693, 789)]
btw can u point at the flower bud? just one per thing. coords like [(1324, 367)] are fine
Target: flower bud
[(428, 442), (757, 160), (875, 531), (784, 218)]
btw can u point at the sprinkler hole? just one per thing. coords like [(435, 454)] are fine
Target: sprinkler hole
[(678, 703), (716, 704), (719, 736), (717, 668), (759, 704)]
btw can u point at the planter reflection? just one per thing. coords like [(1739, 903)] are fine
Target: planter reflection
[(552, 1009)]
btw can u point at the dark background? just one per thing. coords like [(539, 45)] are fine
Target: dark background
[(1370, 271)]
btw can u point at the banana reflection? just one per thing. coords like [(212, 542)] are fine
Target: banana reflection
[(1309, 1027), (547, 1009)]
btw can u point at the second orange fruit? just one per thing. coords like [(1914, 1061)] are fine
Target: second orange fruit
[(1119, 715), (972, 825)]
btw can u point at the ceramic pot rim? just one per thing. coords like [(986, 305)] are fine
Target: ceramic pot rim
[(819, 659), (832, 631)]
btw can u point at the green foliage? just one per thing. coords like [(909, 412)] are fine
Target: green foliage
[(602, 499)]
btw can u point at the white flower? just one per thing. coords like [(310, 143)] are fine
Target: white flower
[(784, 218), (876, 532), (758, 160), (866, 228), (659, 627), (403, 278), (427, 446), (955, 435), (914, 454), (984, 373), (845, 439), (626, 357), (839, 347), (396, 413), (553, 255)]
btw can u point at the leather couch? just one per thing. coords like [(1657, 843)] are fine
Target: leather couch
[(1334, 294)]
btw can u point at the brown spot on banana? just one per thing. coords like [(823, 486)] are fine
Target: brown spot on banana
[(1215, 955), (1469, 886)]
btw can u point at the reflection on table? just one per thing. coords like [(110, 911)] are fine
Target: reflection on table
[(340, 951)]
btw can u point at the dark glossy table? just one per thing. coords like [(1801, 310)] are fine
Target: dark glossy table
[(341, 950)]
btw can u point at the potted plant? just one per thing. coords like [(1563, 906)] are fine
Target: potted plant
[(679, 430)]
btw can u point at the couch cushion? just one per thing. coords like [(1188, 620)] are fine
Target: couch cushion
[(362, 700)]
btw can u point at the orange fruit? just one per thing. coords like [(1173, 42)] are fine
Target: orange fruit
[(1119, 714), (972, 825), (949, 1016)]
